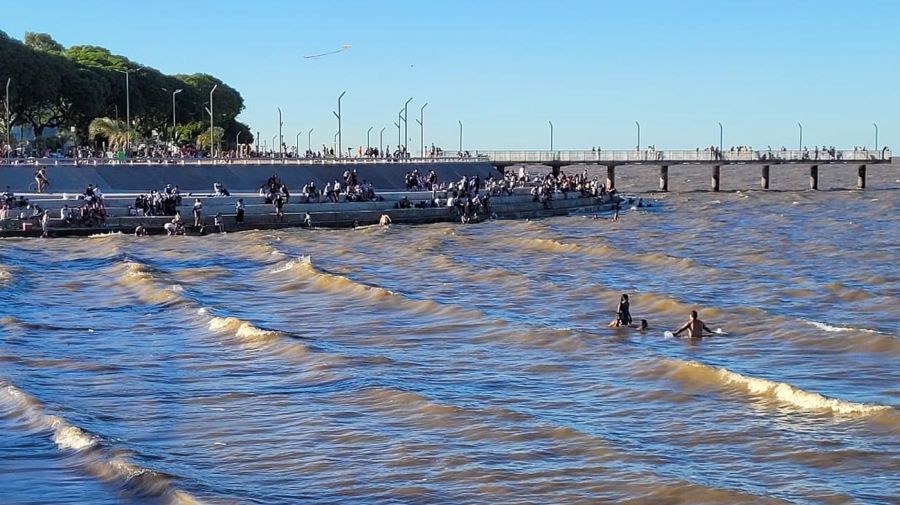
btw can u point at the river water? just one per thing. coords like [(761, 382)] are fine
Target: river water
[(469, 364)]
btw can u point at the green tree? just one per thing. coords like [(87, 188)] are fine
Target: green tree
[(112, 131), (43, 42), (202, 141)]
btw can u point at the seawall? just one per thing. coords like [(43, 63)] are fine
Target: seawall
[(237, 177)]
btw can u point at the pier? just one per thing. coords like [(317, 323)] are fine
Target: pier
[(764, 159)]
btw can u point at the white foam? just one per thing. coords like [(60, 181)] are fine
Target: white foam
[(837, 329), (668, 334), (784, 392)]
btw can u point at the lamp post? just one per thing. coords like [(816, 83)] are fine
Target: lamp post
[(127, 72), (297, 142), (721, 136), (460, 138), (8, 126), (801, 136), (399, 131), (381, 141), (334, 146), (212, 137), (309, 139), (367, 139), (257, 144), (406, 127), (280, 136), (873, 124), (174, 138), (421, 122), (274, 139), (338, 116), (638, 148), (237, 145), (551, 134)]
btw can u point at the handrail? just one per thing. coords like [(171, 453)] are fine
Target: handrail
[(681, 156), (230, 161)]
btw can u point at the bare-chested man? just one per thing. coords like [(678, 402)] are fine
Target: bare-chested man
[(694, 326)]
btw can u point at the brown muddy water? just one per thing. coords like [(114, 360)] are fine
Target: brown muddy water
[(469, 364)]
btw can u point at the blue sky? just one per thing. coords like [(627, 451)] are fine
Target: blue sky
[(506, 68)]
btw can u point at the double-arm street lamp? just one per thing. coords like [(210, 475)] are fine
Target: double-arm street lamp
[(338, 116), (175, 92), (421, 122), (127, 72)]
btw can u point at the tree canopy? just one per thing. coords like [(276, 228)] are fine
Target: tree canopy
[(57, 87)]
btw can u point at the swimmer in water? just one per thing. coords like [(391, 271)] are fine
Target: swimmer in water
[(643, 326), (694, 327), (623, 314), (385, 220)]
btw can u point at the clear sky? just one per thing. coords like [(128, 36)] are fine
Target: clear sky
[(506, 68)]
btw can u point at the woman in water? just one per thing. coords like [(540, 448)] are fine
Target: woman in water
[(623, 314)]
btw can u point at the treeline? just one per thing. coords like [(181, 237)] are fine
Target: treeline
[(57, 87)]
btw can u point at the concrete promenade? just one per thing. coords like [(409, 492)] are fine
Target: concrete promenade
[(259, 215)]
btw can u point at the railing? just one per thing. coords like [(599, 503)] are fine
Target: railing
[(229, 161), (682, 156), (630, 156)]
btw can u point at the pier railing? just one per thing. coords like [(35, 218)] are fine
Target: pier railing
[(686, 156)]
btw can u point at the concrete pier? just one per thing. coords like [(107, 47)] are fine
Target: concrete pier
[(861, 177), (814, 177), (716, 173), (764, 177), (664, 178), (610, 177)]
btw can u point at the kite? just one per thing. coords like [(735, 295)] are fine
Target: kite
[(341, 50)]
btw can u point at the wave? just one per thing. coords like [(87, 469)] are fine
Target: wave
[(98, 460), (695, 372), (838, 329), (241, 329), (339, 284)]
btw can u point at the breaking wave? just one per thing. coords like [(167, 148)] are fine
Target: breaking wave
[(94, 458), (694, 372)]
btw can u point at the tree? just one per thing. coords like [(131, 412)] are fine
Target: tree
[(114, 132), (43, 42), (203, 139)]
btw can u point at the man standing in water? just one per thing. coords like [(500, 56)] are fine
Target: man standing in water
[(694, 326)]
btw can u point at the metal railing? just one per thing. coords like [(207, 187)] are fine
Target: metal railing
[(686, 156), (230, 161)]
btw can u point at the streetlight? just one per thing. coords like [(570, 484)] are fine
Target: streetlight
[(334, 146), (873, 124), (280, 136), (801, 135), (551, 134), (309, 139), (421, 122), (127, 72), (406, 127), (381, 141), (8, 126), (237, 145), (274, 139), (721, 136), (338, 116), (212, 142), (297, 142), (367, 139), (460, 138), (399, 132), (638, 135), (173, 111), (257, 143)]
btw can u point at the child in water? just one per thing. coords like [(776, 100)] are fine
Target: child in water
[(623, 314)]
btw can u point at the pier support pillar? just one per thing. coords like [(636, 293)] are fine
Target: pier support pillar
[(716, 171), (610, 177), (814, 177), (861, 178), (764, 178), (664, 178)]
